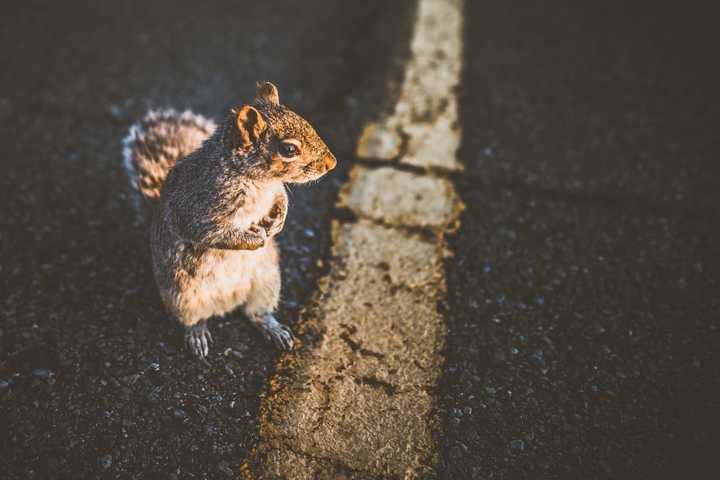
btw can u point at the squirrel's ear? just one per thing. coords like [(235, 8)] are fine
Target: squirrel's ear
[(268, 93), (250, 125)]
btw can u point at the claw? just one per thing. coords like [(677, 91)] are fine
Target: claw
[(197, 339), (277, 333), (282, 337), (204, 343)]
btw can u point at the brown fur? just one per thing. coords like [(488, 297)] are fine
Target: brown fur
[(154, 145), (220, 207)]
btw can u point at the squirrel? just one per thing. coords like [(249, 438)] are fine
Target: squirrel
[(215, 199)]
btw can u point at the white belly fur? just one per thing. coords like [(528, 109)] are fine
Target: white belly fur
[(223, 281), (225, 278)]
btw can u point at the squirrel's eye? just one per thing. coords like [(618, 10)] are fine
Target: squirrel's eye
[(289, 149)]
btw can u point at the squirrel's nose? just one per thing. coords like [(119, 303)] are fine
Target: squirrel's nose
[(330, 161)]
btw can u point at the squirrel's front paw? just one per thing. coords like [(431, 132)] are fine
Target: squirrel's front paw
[(271, 228), (198, 339), (256, 237), (266, 224), (272, 225)]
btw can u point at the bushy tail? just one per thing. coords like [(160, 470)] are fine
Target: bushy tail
[(154, 145)]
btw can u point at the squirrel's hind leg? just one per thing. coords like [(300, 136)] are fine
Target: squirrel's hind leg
[(194, 321), (277, 333), (198, 339), (262, 300)]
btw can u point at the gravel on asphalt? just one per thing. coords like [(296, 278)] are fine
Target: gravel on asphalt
[(583, 291), (93, 376)]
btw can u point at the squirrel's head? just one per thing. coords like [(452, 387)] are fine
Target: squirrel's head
[(270, 141)]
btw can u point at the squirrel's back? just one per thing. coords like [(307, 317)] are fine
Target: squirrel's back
[(153, 145)]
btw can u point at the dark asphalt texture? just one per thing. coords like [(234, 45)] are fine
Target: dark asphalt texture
[(94, 381), (584, 286), (584, 291)]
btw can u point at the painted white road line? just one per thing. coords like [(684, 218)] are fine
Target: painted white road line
[(358, 401), (426, 113)]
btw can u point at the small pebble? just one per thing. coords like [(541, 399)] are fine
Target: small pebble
[(106, 461), (224, 467), (116, 111), (43, 373), (179, 413), (539, 356)]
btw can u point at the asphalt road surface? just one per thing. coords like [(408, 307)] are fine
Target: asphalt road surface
[(584, 294), (95, 381), (583, 285)]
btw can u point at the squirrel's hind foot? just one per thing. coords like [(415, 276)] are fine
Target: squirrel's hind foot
[(198, 339), (280, 335)]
